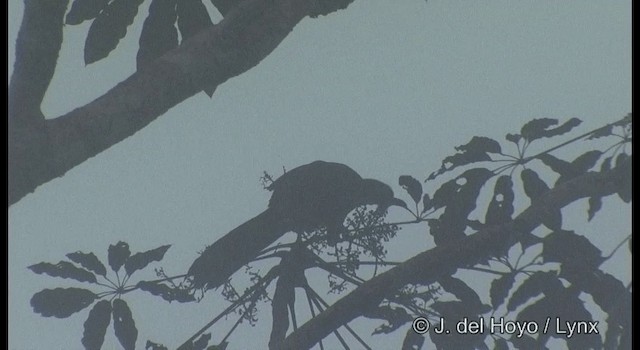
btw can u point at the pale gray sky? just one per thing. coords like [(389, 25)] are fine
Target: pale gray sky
[(388, 88)]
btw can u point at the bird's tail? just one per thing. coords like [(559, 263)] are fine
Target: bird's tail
[(235, 249)]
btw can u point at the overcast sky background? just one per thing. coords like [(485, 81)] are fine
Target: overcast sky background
[(387, 87)]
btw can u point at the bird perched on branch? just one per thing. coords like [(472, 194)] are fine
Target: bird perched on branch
[(315, 195)]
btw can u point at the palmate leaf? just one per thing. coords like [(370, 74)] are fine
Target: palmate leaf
[(500, 289), (534, 187), (575, 253), (602, 132), (123, 325), (61, 302), (463, 292), (427, 203), (198, 344), (539, 282), (159, 33), (459, 197), (623, 168), (108, 28), (165, 292), (539, 128), (118, 255), (89, 261), (564, 306), (141, 260), (595, 204), (476, 150), (501, 206), (95, 327), (64, 269), (202, 342), (412, 186)]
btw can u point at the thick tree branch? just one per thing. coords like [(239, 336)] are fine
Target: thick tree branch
[(444, 260), (248, 33), (37, 47)]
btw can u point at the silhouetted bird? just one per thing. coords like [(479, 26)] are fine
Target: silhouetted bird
[(315, 195)]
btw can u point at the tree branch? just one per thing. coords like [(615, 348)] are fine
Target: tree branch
[(444, 260), (248, 34), (37, 47)]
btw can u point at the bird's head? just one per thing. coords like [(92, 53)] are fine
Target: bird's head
[(380, 194)]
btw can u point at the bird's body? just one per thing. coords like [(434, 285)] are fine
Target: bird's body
[(314, 195), (319, 194)]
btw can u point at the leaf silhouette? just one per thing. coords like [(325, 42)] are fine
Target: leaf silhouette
[(412, 186), (141, 260), (585, 161), (562, 306), (95, 327), (540, 282), (123, 325), (515, 138), (89, 261), (165, 292), (159, 33), (534, 187), (579, 166), (202, 342), (462, 201), (61, 302), (500, 289), (427, 203), (118, 255), (539, 128), (576, 253), (560, 166), (474, 151), (108, 28), (595, 204), (64, 269), (501, 206), (461, 187), (463, 292), (602, 132), (623, 167), (481, 144), (82, 10)]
